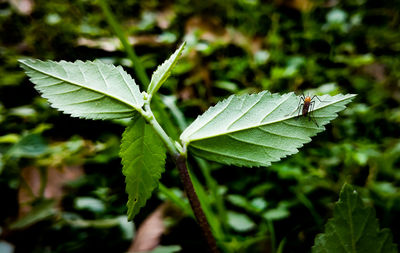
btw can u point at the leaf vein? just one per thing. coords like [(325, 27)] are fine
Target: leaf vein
[(256, 144), (64, 92), (243, 113), (102, 76), (280, 103), (87, 101), (224, 154), (281, 135), (127, 84)]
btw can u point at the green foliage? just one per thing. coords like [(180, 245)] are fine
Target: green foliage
[(30, 145), (41, 211), (235, 47), (166, 249), (164, 71), (240, 222), (229, 133), (91, 90), (255, 130), (353, 228), (88, 203), (95, 90), (143, 158)]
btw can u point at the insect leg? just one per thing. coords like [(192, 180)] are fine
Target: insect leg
[(311, 113), (310, 110), (315, 96), (298, 106), (298, 109), (312, 104), (302, 97)]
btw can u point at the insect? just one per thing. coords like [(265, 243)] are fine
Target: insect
[(307, 107)]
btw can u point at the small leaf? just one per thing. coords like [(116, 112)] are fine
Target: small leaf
[(92, 90), (276, 214), (255, 130), (143, 158), (42, 211), (240, 222), (164, 71), (166, 249), (30, 146), (353, 228), (88, 203)]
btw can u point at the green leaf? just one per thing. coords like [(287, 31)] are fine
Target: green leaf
[(127, 230), (30, 146), (353, 228), (92, 90), (166, 249), (164, 71), (41, 211), (255, 130), (91, 204), (143, 158), (240, 222), (276, 214)]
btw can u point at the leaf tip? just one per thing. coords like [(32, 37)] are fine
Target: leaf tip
[(24, 62), (183, 44)]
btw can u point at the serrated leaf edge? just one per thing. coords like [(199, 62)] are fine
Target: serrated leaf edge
[(25, 64), (186, 141), (153, 87), (124, 162)]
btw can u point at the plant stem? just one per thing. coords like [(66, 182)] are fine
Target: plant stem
[(195, 203), (169, 101), (160, 131), (180, 161), (183, 172)]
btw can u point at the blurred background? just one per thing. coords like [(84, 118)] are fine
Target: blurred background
[(61, 185)]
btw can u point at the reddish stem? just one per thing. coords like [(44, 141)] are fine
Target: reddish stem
[(195, 203)]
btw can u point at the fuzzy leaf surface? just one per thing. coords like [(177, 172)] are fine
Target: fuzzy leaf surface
[(257, 129), (92, 90), (353, 228), (143, 159), (164, 71)]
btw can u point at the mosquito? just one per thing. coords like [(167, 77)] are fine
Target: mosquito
[(307, 107)]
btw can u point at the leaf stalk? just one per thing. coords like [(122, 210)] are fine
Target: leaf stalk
[(160, 131)]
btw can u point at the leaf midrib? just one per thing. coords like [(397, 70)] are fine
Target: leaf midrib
[(259, 125), (79, 85)]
